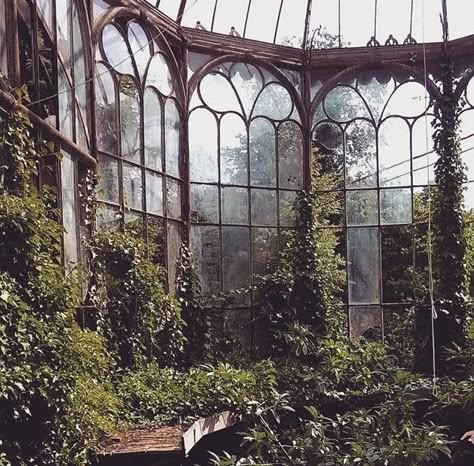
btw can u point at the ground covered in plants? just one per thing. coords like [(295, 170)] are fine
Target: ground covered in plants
[(105, 347)]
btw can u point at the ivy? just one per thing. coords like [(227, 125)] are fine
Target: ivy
[(449, 244), (139, 320)]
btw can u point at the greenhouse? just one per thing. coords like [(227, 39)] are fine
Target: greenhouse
[(237, 232)]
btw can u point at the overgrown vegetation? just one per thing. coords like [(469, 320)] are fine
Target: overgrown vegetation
[(308, 395)]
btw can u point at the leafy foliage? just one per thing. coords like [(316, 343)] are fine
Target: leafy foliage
[(139, 320)]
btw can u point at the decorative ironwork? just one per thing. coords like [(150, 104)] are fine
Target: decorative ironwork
[(373, 42), (409, 40), (391, 40)]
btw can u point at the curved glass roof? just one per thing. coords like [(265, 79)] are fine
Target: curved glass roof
[(331, 23)]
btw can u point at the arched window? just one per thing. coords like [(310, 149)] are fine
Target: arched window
[(246, 165), (139, 136), (467, 143), (371, 165)]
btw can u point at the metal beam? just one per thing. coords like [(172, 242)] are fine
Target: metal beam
[(307, 24), (51, 134)]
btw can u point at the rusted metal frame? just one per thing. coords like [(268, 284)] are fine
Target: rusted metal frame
[(85, 26), (307, 130), (339, 14), (281, 77), (13, 49), (50, 133), (247, 17), (278, 21), (160, 26), (181, 10), (214, 15), (184, 158), (444, 7), (307, 22), (333, 82), (151, 17)]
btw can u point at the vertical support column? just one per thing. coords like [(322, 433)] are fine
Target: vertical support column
[(13, 43)]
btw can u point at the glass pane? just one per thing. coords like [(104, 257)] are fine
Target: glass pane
[(292, 23), (203, 14), (424, 156), (264, 207), (108, 218), (287, 208), (395, 206), (290, 150), (217, 94), (64, 32), (248, 80), (203, 146), (132, 187), (397, 264), (262, 153), (329, 209), (409, 100), (172, 139), (234, 158), (394, 18), (394, 153), (230, 13), (204, 204), (343, 104), (376, 87), (362, 207), (106, 116), (134, 224), (328, 157), (170, 8), (70, 209), (159, 76), (467, 145), (129, 119), (173, 196), (257, 28), (365, 321), (66, 109), (265, 250), (174, 247), (108, 187), (324, 14), (361, 160), (152, 123), (116, 50), (363, 265), (274, 102), (205, 245), (156, 239), (154, 193), (357, 35), (235, 205), (140, 47), (80, 77), (236, 257)]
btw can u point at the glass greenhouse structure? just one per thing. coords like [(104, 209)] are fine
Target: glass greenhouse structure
[(203, 120)]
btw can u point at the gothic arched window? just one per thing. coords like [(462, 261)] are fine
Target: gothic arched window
[(372, 159), (246, 165), (139, 138)]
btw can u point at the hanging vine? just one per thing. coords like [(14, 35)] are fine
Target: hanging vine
[(449, 246)]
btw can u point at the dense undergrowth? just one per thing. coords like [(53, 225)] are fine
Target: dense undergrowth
[(307, 395)]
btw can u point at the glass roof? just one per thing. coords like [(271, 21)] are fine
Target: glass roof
[(332, 23)]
